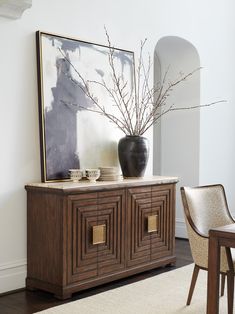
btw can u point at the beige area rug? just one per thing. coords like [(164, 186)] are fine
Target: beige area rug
[(162, 294)]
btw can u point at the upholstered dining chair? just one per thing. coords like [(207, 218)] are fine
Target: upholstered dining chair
[(206, 207)]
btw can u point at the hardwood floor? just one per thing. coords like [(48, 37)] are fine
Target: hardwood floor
[(27, 302)]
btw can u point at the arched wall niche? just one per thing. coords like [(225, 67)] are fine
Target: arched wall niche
[(176, 142), (13, 9)]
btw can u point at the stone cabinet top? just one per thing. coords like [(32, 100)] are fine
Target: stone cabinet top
[(87, 186)]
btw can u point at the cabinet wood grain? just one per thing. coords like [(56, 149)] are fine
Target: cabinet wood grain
[(62, 256)]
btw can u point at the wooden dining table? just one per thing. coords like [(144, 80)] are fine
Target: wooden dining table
[(218, 237)]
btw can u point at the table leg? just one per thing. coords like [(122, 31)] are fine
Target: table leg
[(213, 276)]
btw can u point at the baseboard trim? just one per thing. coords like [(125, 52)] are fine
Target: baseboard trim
[(180, 229), (12, 291), (12, 276), (14, 264)]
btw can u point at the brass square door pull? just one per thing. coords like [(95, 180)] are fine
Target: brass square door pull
[(98, 234), (152, 223)]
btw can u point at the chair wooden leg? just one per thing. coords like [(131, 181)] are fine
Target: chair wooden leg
[(230, 280), (222, 284), (230, 290), (193, 283)]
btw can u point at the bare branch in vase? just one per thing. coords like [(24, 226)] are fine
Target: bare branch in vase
[(140, 108)]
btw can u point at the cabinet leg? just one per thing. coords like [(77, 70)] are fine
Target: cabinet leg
[(63, 296), (172, 264), (29, 288)]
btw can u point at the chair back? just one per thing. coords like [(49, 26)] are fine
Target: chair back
[(206, 207)]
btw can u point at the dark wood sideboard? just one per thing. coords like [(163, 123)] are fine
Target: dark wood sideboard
[(80, 235)]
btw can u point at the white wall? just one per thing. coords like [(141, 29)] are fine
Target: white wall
[(208, 25)]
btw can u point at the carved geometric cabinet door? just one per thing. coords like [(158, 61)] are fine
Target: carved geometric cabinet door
[(162, 206), (96, 238), (82, 216), (150, 223), (139, 207), (111, 214)]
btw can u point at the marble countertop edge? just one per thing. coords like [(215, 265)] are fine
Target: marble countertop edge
[(86, 185)]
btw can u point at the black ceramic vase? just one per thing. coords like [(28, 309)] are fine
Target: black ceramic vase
[(133, 153)]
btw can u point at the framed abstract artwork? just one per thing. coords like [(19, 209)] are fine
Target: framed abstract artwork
[(71, 135)]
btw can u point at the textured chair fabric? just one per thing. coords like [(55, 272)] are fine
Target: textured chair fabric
[(205, 208)]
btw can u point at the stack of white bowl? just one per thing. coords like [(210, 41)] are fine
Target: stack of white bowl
[(109, 174)]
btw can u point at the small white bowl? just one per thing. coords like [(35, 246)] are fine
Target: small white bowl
[(75, 174), (92, 174)]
